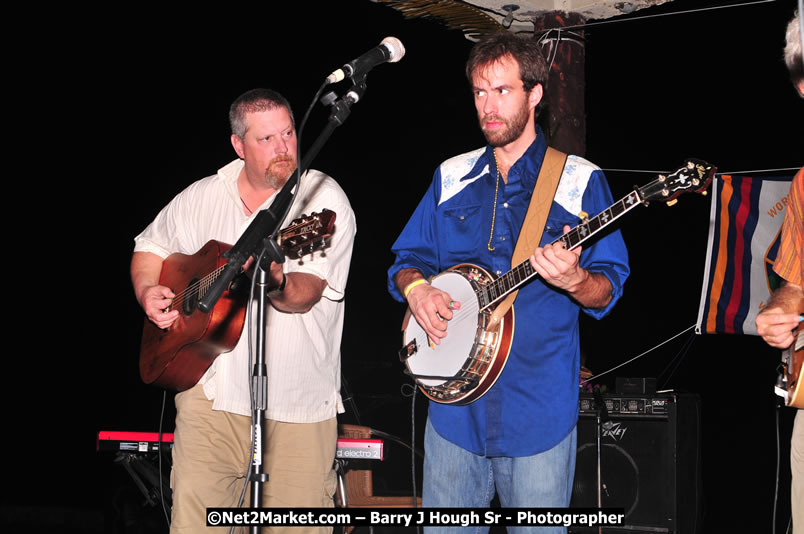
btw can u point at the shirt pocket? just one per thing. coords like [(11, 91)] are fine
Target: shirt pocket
[(461, 229), (554, 228)]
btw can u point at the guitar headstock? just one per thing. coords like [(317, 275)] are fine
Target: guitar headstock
[(694, 176), (307, 233)]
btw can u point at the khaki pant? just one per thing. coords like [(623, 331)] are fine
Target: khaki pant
[(211, 457)]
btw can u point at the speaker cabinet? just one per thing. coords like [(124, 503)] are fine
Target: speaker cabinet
[(649, 462)]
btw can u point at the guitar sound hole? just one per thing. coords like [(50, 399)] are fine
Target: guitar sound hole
[(190, 302)]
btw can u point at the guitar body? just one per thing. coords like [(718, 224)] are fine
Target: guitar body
[(467, 363), (177, 357), (791, 360)]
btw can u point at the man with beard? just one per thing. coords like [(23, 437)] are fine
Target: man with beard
[(212, 450), (520, 436)]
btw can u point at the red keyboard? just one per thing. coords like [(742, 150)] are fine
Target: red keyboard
[(348, 449)]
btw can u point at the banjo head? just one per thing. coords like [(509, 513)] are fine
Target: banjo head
[(447, 359)]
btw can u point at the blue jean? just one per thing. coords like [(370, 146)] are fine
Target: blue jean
[(455, 477)]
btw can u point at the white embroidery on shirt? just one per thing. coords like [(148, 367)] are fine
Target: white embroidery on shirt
[(574, 180), (454, 173), (569, 195)]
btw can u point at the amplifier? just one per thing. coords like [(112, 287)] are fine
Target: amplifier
[(649, 461), (656, 405)]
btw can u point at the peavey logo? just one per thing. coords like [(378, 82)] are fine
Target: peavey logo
[(615, 431)]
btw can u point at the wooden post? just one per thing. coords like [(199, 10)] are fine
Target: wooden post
[(563, 119)]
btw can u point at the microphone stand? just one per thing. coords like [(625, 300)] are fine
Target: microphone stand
[(267, 221), (252, 243), (602, 420)]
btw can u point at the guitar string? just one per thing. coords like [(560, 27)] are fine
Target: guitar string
[(497, 289), (752, 171), (196, 288), (499, 284), (465, 313), (524, 271)]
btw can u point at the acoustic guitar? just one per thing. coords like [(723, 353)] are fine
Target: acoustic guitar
[(175, 358), (788, 386)]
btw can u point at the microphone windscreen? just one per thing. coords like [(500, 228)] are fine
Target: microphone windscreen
[(396, 48)]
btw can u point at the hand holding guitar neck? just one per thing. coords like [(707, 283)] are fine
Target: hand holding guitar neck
[(776, 327), (558, 266)]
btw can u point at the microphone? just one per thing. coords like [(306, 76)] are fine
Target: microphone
[(390, 50)]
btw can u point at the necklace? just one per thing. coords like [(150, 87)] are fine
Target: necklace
[(250, 211), (494, 211)]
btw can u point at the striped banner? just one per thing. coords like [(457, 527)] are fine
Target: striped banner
[(744, 226)]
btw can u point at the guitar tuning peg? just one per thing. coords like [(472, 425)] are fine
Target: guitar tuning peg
[(704, 193), (672, 202)]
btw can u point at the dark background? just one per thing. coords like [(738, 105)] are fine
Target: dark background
[(131, 107)]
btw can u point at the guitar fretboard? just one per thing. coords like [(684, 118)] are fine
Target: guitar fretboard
[(494, 292), (196, 291), (302, 235)]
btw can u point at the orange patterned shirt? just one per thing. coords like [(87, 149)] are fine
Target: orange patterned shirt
[(788, 262)]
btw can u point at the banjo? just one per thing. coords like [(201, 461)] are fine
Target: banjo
[(467, 363)]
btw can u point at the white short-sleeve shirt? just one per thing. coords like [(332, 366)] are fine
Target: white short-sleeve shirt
[(302, 349)]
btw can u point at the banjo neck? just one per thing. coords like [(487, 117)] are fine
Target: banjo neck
[(492, 293), (693, 176)]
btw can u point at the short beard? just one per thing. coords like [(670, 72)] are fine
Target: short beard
[(276, 180), (511, 132)]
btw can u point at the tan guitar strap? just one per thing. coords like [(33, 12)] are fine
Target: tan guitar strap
[(533, 227)]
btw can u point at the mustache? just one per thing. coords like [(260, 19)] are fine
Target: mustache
[(492, 118), (282, 159)]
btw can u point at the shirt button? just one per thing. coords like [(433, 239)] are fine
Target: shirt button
[(505, 204), (499, 273), (502, 238)]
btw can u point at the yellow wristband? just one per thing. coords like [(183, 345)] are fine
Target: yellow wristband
[(412, 285)]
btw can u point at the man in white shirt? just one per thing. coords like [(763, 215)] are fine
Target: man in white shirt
[(212, 450)]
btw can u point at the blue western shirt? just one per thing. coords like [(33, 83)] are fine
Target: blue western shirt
[(534, 403)]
